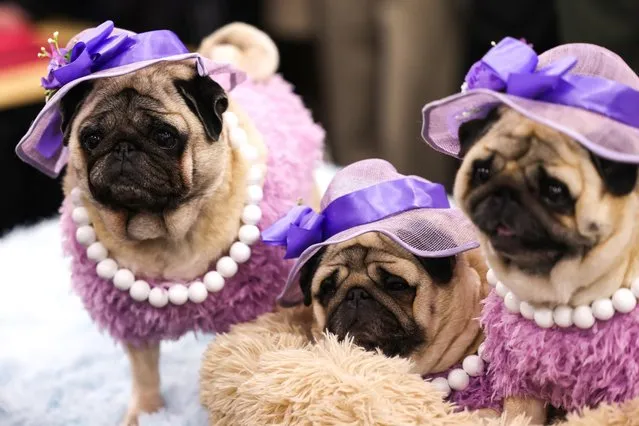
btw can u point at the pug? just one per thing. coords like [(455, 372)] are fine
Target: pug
[(385, 298), (557, 223), (157, 181)]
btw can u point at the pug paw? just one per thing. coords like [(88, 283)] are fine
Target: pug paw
[(141, 404)]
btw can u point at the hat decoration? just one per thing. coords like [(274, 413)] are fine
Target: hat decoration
[(302, 226), (510, 67)]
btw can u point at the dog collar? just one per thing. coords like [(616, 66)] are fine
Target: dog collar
[(458, 379), (624, 300), (213, 281)]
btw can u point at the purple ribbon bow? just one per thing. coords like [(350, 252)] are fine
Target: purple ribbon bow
[(510, 67), (302, 227)]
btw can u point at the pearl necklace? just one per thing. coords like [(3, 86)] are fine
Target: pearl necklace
[(623, 300), (226, 267), (458, 379)]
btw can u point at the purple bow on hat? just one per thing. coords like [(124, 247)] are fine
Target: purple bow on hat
[(302, 227), (99, 49), (510, 67)]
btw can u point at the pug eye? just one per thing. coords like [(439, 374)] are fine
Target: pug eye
[(165, 139), (395, 283), (481, 172), (327, 290), (555, 193), (90, 141)]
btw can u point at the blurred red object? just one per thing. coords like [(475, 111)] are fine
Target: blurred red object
[(19, 40)]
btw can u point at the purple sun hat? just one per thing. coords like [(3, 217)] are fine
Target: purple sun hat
[(582, 90), (371, 196), (103, 51)]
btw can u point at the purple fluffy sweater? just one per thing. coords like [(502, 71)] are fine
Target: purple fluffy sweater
[(479, 393), (568, 367), (294, 144)]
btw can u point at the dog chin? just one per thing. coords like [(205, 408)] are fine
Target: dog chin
[(377, 330)]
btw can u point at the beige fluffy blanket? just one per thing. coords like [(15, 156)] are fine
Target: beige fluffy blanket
[(267, 372)]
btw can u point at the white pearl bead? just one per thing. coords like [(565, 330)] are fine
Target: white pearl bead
[(226, 267), (97, 252), (238, 138), (480, 350), (562, 315), (76, 196), (543, 318), (582, 317), (473, 365), (603, 309), (197, 292), (106, 269), (254, 194), (249, 234), (123, 279), (255, 175), (458, 379), (441, 385), (491, 278), (527, 310), (158, 297), (240, 252), (501, 289), (230, 119), (213, 281), (85, 235), (178, 294), (80, 216), (249, 153), (512, 302), (140, 290), (624, 301), (635, 287), (251, 214)]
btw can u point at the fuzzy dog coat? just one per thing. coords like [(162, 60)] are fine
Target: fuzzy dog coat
[(570, 368), (294, 144)]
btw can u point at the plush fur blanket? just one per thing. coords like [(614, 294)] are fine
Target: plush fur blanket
[(268, 372)]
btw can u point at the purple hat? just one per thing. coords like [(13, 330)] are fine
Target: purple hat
[(582, 90), (371, 196), (101, 52)]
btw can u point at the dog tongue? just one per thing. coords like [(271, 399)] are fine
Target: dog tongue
[(504, 231)]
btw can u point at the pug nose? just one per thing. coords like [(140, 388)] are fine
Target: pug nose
[(357, 295), (123, 149), (501, 197)]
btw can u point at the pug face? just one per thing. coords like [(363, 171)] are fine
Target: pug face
[(386, 298), (557, 223), (147, 143)]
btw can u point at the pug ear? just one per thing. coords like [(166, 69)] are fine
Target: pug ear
[(471, 131), (70, 105), (619, 178), (440, 269), (307, 273), (207, 100)]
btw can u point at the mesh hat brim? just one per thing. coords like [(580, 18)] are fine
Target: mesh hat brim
[(49, 117), (599, 134), (423, 232)]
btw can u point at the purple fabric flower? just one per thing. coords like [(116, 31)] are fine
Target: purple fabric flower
[(482, 76), (102, 48)]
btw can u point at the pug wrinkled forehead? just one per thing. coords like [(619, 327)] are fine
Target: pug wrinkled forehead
[(141, 140)]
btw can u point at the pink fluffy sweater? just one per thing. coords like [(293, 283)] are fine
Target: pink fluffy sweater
[(294, 144), (567, 367)]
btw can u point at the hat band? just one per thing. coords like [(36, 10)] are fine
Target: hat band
[(302, 227), (510, 67)]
